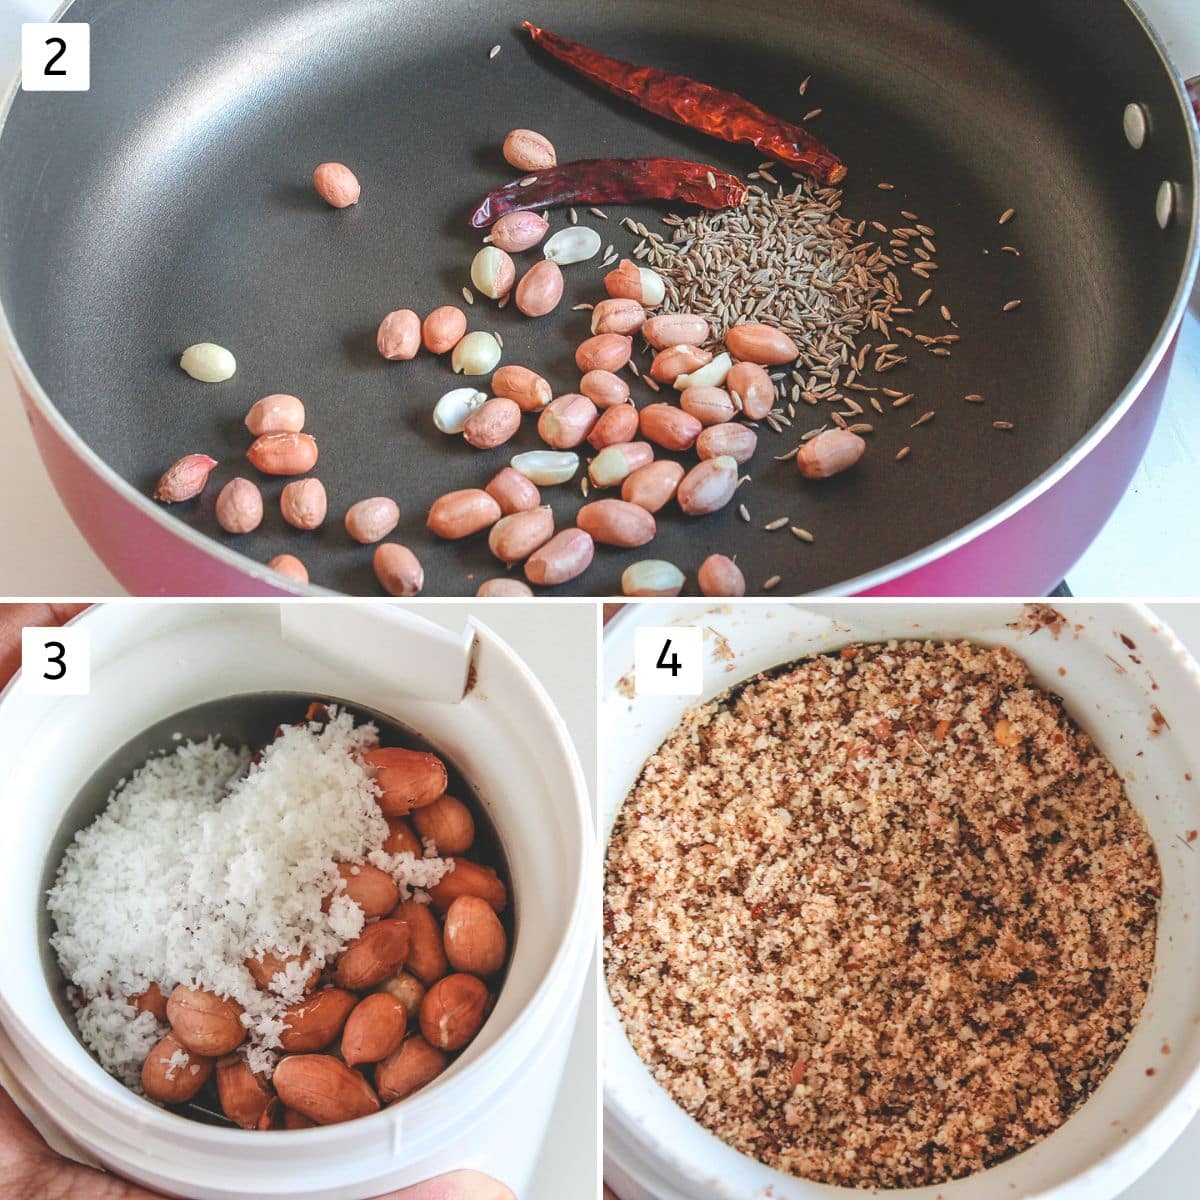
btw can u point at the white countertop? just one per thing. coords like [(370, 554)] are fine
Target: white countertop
[(1137, 553)]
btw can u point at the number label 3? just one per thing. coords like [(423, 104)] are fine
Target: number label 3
[(669, 660), (56, 662), (56, 56)]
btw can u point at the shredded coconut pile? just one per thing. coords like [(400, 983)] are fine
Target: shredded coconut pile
[(203, 858)]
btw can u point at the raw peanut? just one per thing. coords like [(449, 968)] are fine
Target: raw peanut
[(244, 1096), (652, 486), (266, 966), (151, 1000), (708, 486), (546, 467), (451, 412), (314, 1022), (290, 567), (751, 384), (277, 413), (174, 1085), (669, 364), (453, 1010), (406, 988), (604, 389), (373, 890), (379, 951), (567, 420), (475, 940), (407, 779), (509, 589), (374, 1029), (669, 427), (736, 441), (721, 576), (462, 513), (239, 506), (399, 335), (604, 352), (204, 1022), (528, 151), (676, 329), (414, 1065), (756, 343), (712, 374), (618, 316), (492, 423), (443, 329), (540, 289), (402, 838), (531, 392), (513, 492), (513, 539), (616, 463), (564, 557), (628, 281), (272, 1116), (575, 244), (493, 272), (324, 1090), (426, 959), (283, 453), (398, 570), (477, 354), (291, 1119), (208, 362), (709, 405), (830, 453), (616, 523), (185, 479), (370, 520), (517, 231), (303, 503), (448, 824), (652, 577), (336, 184), (469, 879), (616, 425)]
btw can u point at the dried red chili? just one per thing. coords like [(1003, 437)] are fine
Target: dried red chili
[(614, 181), (723, 115)]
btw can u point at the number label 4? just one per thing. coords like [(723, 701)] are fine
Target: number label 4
[(669, 660)]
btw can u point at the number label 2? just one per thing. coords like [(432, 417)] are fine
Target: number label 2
[(62, 49), (56, 56)]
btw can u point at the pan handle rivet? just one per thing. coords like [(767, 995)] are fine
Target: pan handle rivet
[(1136, 125), (1164, 204)]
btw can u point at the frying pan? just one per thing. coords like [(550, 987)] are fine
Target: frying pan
[(172, 204)]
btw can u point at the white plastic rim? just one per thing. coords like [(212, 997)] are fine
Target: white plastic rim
[(1112, 689), (489, 1110)]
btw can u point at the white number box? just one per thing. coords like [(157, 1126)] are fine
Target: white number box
[(56, 56), (669, 660), (55, 661)]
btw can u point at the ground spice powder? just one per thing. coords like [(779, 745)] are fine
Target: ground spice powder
[(864, 939)]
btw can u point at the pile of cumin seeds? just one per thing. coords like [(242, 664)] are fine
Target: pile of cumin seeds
[(880, 918), (786, 258)]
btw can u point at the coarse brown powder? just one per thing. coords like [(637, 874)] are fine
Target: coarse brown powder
[(864, 939)]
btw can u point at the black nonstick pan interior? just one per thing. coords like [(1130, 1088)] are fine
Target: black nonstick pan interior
[(172, 204)]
